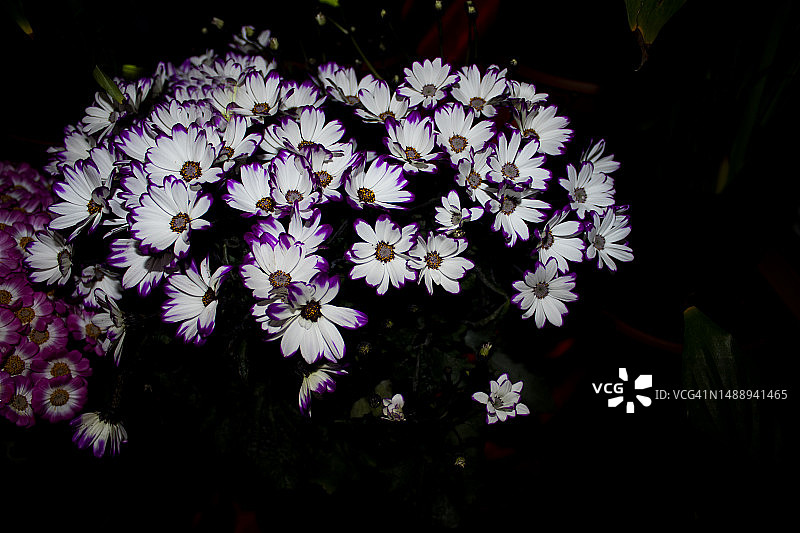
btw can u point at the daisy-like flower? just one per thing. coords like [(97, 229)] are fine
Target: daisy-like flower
[(480, 92), (15, 291), (167, 215), (77, 144), (427, 83), (19, 359), (411, 141), (19, 408), (192, 300), (381, 185), (142, 271), (517, 165), (51, 338), (602, 163), (542, 293), (560, 240), (603, 239), (99, 431), (542, 124), (381, 259), (524, 93), (11, 329), (393, 408), (589, 191), (166, 115), (258, 97), (514, 210), (311, 233), (10, 256), (451, 216), (344, 86), (456, 133), (85, 192), (274, 263), (253, 195), (380, 104), (94, 278), (293, 187), (112, 320), (438, 263), (59, 398), (38, 314), (296, 96), (311, 131), (50, 258), (236, 142), (307, 321), (328, 169), (103, 115), (82, 327), (502, 402), (71, 363), (317, 382), (185, 153)]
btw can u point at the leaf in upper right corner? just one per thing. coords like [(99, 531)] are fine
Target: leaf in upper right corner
[(649, 16)]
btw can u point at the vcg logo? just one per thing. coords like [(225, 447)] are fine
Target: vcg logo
[(645, 381)]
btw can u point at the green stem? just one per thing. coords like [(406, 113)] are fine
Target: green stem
[(358, 48)]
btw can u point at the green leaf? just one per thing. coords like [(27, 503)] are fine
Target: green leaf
[(107, 84), (649, 16), (334, 3)]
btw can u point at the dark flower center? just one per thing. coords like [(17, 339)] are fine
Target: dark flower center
[(25, 314), (92, 331), (93, 208), (261, 108), (14, 365), (311, 311), (599, 242), (305, 144), (384, 252), (323, 179), (477, 103), (547, 239), (352, 100), (510, 171), (529, 133), (59, 397), (191, 170), (386, 114), (64, 259), (179, 223), (293, 196), (226, 152), (579, 195), (508, 204), (25, 241), (428, 90), (411, 153), (39, 337), (19, 403), (209, 297), (366, 195), (455, 218), (279, 278), (541, 289), (266, 203), (433, 260), (60, 369), (5, 297), (474, 180), (458, 143)]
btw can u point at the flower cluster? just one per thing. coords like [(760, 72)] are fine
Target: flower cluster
[(47, 339), (167, 174)]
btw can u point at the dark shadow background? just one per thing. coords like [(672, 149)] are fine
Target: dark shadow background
[(672, 122)]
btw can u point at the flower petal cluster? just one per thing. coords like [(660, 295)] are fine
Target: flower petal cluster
[(502, 402)]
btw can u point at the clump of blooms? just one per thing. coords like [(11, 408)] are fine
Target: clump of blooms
[(239, 188)]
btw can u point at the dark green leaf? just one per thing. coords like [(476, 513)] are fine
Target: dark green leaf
[(108, 85)]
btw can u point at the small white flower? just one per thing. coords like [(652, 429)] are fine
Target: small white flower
[(437, 261), (427, 82), (480, 92), (542, 293), (542, 124), (98, 431), (393, 408), (589, 191), (381, 258), (411, 141), (603, 237), (502, 402), (602, 163), (382, 185), (317, 382), (451, 216), (49, 258), (559, 239), (456, 133), (380, 104)]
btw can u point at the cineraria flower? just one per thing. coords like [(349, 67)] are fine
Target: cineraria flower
[(142, 271), (382, 258), (15, 291), (426, 83), (411, 140), (10, 328), (451, 216), (103, 116), (77, 145), (393, 408), (19, 408), (192, 300), (559, 239), (480, 92), (542, 124), (296, 96), (100, 432), (71, 363), (186, 154), (603, 237), (82, 327), (317, 382), (308, 233), (85, 192), (112, 320), (328, 170), (524, 93), (542, 293), (50, 338), (503, 401), (514, 209), (38, 314), (20, 358), (167, 215), (59, 398), (167, 115), (50, 258), (604, 164), (94, 278), (307, 321), (253, 195), (311, 131), (381, 185), (236, 143), (344, 86), (519, 167), (258, 96), (589, 191), (437, 262), (379, 103), (456, 133), (293, 187)]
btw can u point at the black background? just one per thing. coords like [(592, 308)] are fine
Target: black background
[(670, 123)]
